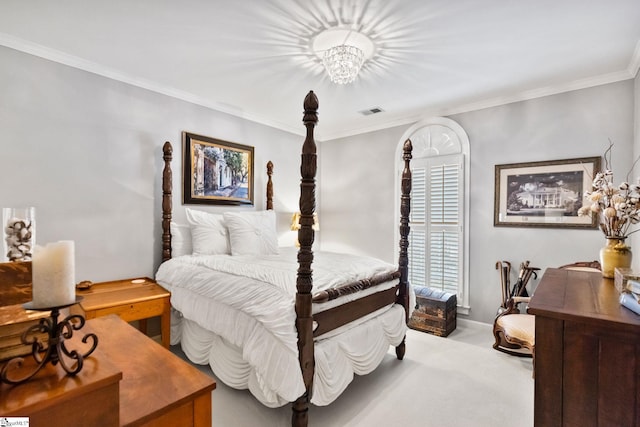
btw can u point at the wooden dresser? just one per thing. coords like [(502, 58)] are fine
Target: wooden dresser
[(587, 364), (157, 387), (52, 398)]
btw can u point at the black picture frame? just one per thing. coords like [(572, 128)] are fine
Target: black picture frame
[(544, 194)]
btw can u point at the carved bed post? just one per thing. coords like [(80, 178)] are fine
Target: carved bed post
[(304, 283), (403, 259), (167, 185), (269, 185)]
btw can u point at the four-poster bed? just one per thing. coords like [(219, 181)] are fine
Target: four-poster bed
[(345, 327)]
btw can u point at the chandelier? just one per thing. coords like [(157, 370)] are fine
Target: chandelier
[(342, 51), (343, 63)]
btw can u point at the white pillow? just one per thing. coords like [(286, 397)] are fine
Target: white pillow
[(252, 233), (208, 232), (180, 240)]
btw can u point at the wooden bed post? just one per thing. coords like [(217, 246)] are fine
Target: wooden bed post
[(167, 185), (269, 185), (304, 282), (403, 259)]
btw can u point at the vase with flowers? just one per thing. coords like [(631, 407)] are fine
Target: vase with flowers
[(617, 208)]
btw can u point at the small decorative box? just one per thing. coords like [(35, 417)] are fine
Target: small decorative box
[(622, 276)]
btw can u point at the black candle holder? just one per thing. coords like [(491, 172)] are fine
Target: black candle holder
[(55, 349)]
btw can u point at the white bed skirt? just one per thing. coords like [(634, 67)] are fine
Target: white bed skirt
[(356, 350)]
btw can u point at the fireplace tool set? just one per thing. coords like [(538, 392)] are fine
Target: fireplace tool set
[(519, 288)]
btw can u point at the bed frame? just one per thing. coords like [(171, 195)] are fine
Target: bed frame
[(308, 325)]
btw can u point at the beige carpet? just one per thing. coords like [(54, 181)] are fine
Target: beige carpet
[(458, 381)]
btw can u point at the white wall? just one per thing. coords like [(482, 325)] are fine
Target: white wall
[(357, 181), (86, 151), (357, 192)]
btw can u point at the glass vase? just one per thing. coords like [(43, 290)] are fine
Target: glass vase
[(616, 254), (19, 233)]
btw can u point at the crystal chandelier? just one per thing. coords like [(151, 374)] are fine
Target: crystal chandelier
[(343, 63)]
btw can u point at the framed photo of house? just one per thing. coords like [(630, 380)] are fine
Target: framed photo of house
[(216, 172), (544, 194)]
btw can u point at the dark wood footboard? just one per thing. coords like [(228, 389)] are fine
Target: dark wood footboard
[(328, 320), (341, 315)]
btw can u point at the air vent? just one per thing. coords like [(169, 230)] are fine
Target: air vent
[(370, 111)]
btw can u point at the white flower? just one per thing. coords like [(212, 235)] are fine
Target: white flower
[(584, 211), (617, 206), (617, 199), (595, 197)]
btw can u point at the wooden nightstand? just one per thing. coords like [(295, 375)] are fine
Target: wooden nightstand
[(131, 299)]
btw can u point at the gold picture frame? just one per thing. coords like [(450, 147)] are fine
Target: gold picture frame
[(216, 171)]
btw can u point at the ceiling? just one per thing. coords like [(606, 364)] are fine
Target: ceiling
[(252, 58)]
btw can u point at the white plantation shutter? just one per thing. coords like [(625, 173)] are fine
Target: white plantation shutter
[(436, 239), (445, 238), (417, 222)]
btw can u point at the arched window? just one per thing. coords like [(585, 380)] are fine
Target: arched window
[(439, 238)]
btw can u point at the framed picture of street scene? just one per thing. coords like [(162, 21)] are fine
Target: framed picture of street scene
[(544, 194), (216, 172)]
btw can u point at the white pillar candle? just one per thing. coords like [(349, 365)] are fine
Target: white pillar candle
[(53, 269)]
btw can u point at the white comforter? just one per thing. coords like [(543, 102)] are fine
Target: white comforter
[(238, 316)]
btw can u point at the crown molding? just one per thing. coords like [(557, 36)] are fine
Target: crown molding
[(634, 64), (95, 68), (490, 102), (101, 70)]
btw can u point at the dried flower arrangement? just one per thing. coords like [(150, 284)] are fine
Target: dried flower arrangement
[(617, 206)]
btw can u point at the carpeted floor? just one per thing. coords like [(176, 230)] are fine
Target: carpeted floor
[(458, 381)]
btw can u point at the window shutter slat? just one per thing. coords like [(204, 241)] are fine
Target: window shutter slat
[(418, 196), (417, 256), (444, 192), (444, 259)]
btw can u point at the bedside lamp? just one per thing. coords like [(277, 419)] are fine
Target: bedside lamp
[(295, 224)]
